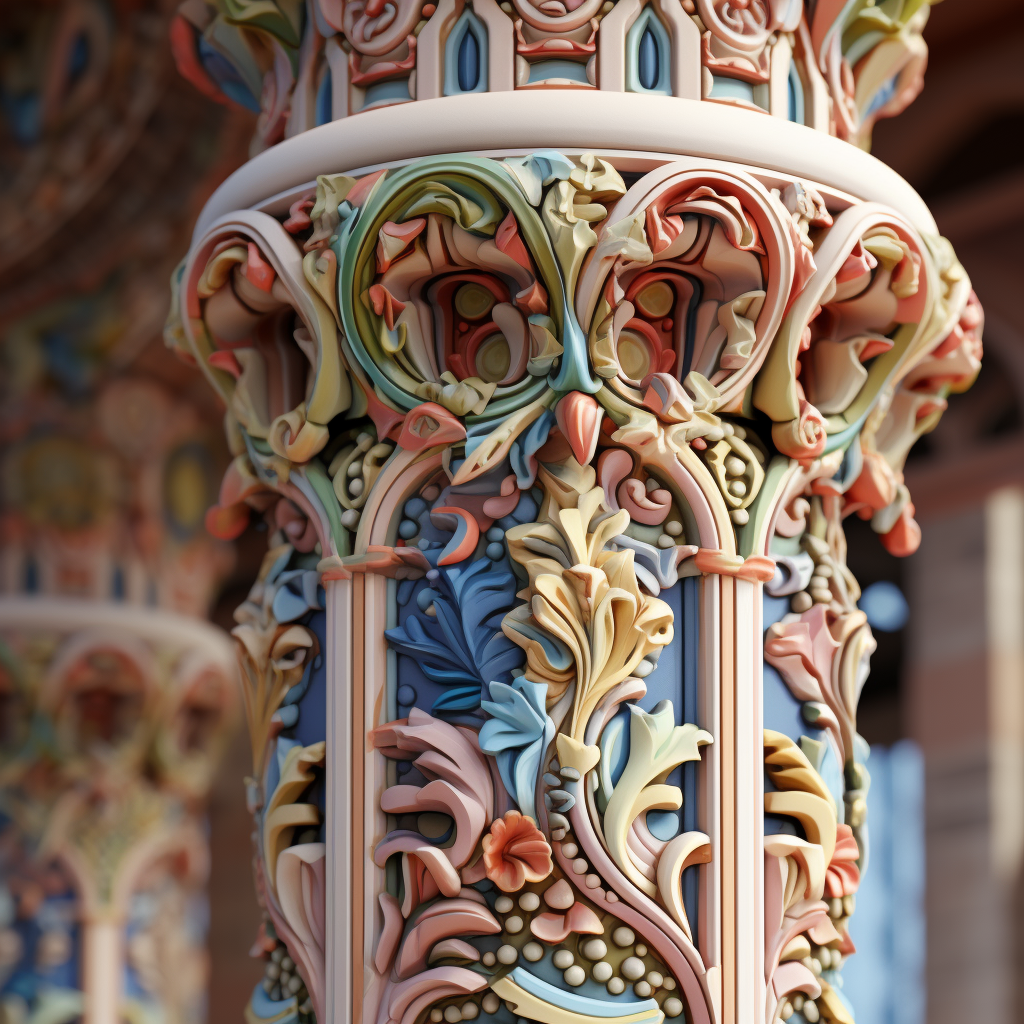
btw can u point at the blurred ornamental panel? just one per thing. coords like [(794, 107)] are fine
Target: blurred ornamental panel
[(113, 722), (117, 697)]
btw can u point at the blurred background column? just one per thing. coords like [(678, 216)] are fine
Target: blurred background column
[(116, 694)]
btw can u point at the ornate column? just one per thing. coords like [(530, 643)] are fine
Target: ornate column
[(557, 341)]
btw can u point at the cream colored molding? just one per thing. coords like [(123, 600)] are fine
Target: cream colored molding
[(1004, 612), (603, 122)]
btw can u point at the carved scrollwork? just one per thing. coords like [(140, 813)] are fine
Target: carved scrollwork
[(873, 59), (868, 302), (542, 406), (557, 16), (280, 646), (377, 27), (701, 268), (298, 70)]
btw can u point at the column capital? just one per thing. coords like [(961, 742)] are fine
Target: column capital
[(553, 402)]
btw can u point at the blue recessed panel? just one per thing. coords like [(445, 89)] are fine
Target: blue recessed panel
[(648, 55), (465, 56)]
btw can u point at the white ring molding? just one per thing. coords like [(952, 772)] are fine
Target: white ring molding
[(67, 615), (581, 121)]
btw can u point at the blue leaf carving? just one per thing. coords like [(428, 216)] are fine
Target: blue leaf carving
[(469, 602), (517, 734), (526, 446), (298, 591)]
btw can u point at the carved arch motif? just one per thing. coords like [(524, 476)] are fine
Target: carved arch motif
[(555, 435), (863, 60)]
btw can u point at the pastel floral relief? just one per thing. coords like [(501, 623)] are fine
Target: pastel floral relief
[(515, 852), (541, 427)]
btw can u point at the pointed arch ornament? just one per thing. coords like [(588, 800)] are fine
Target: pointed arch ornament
[(555, 437)]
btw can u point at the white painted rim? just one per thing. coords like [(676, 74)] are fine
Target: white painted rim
[(571, 121), (67, 615)]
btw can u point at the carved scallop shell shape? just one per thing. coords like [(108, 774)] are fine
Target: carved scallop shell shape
[(691, 272), (864, 313), (557, 15), (451, 291), (265, 338)]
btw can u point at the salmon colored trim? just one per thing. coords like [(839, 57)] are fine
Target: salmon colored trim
[(727, 741), (753, 568), (396, 563)]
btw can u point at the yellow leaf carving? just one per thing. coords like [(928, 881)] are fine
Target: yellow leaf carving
[(802, 792), (282, 814)]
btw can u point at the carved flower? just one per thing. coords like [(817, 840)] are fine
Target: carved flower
[(516, 852)]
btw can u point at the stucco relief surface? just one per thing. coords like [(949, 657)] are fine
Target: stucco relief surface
[(533, 434)]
